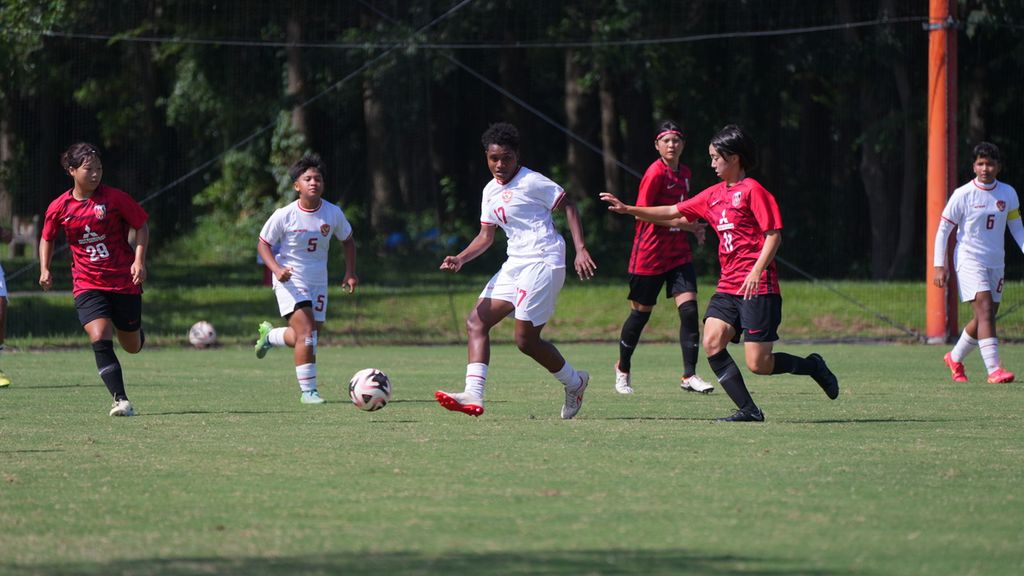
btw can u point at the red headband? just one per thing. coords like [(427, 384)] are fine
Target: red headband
[(676, 132)]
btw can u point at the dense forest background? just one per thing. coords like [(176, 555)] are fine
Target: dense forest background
[(199, 106)]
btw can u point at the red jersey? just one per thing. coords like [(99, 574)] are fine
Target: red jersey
[(658, 249), (97, 233), (740, 215)]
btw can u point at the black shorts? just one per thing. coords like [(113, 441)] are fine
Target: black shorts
[(757, 319), (644, 289), (125, 310)]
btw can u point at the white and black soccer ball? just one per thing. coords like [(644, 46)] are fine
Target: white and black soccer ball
[(202, 334), (370, 389)]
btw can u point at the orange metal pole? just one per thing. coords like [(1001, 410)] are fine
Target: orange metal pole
[(941, 304)]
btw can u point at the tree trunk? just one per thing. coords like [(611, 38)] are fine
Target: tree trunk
[(876, 187), (611, 140), (6, 156), (911, 174), (296, 86), (378, 163)]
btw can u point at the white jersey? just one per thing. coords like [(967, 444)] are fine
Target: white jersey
[(981, 214), (305, 237), (522, 208)]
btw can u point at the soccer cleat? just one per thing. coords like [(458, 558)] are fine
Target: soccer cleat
[(623, 383), (460, 402), (825, 378), (957, 368), (1000, 376), (122, 408), (574, 397), (4, 380), (263, 342), (696, 384), (311, 397), (741, 415)]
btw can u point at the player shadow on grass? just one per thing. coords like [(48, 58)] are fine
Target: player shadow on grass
[(603, 561)]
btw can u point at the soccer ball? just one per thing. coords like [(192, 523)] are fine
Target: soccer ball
[(370, 389), (202, 334)]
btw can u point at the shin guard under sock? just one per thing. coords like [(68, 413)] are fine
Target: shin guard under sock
[(689, 336), (790, 364), (109, 368), (631, 330), (731, 379)]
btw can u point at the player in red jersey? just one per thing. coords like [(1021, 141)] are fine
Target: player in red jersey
[(747, 301), (107, 273), (661, 256)]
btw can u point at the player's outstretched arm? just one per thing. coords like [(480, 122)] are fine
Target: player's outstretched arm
[(351, 280), (656, 214), (477, 246)]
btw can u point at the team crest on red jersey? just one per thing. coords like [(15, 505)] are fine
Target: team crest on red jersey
[(506, 195), (736, 199), (1001, 205), (100, 210), (325, 230)]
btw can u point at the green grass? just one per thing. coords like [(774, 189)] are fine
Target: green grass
[(224, 472), (431, 310)]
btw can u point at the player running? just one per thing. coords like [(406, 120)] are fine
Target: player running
[(747, 301), (981, 211), (520, 202), (303, 231), (107, 273)]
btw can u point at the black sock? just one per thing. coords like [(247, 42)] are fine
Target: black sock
[(110, 368), (689, 336), (731, 379), (631, 330), (789, 364)]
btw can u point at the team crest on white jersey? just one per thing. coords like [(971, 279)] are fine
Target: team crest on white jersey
[(325, 230), (1001, 205), (100, 210), (506, 195)]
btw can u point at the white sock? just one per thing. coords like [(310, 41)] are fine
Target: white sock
[(306, 375), (276, 337), (963, 347), (476, 377), (568, 376), (989, 348)]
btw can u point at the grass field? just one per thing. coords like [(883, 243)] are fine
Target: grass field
[(224, 472)]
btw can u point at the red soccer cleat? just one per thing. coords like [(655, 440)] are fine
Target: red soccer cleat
[(957, 368), (1000, 376), (458, 402)]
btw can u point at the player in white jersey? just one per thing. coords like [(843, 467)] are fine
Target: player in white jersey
[(303, 231), (520, 202), (981, 211)]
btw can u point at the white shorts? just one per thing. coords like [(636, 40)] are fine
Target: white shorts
[(973, 278), (289, 294), (532, 287), (3, 283)]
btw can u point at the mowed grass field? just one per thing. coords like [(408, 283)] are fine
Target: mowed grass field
[(224, 472)]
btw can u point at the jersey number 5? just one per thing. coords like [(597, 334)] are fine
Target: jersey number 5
[(311, 247)]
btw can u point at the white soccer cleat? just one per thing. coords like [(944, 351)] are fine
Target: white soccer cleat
[(574, 396), (311, 397), (122, 408), (696, 384), (623, 382)]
